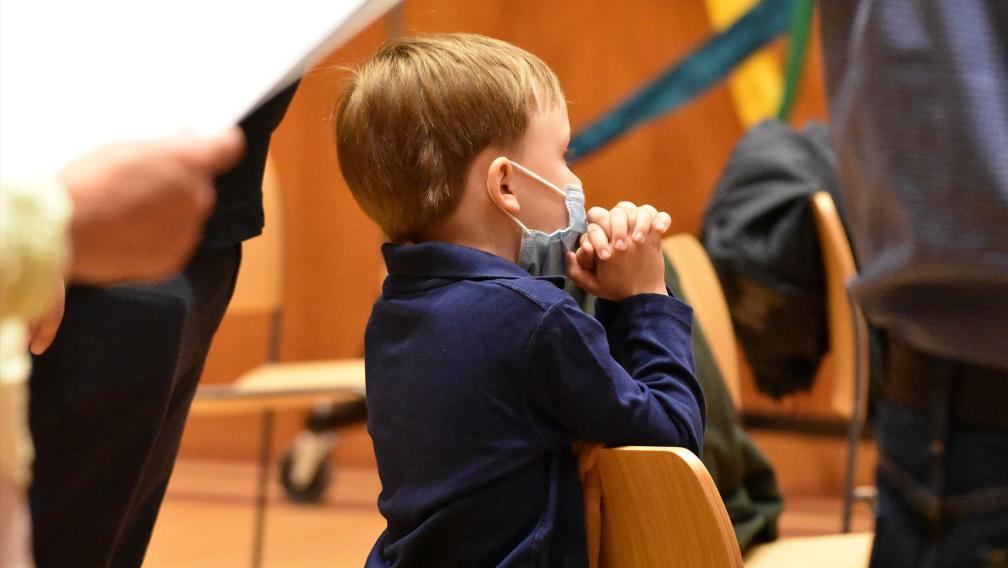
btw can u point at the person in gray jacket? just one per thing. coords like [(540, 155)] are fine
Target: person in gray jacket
[(918, 95)]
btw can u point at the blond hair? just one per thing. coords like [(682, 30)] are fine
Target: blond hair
[(420, 109)]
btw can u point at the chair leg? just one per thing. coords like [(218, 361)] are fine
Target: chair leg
[(853, 439), (265, 449), (860, 414)]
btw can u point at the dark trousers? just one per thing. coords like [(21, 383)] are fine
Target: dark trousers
[(942, 435), (108, 406)]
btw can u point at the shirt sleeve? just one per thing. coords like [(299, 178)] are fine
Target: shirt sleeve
[(33, 220), (635, 388), (33, 245)]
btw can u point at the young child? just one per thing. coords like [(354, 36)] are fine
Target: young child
[(480, 375)]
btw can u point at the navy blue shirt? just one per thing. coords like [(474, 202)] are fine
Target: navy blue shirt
[(479, 378)]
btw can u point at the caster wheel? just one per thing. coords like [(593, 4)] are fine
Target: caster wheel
[(308, 490)]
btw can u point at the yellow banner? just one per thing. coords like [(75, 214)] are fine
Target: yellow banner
[(756, 84)]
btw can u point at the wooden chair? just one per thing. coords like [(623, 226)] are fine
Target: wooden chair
[(700, 284), (661, 509), (703, 290), (274, 386), (848, 341)]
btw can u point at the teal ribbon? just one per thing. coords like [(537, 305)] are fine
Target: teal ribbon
[(801, 23), (699, 71)]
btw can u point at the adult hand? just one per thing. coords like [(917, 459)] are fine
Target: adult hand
[(140, 208), (44, 331)]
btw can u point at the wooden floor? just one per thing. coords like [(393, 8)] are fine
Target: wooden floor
[(207, 521)]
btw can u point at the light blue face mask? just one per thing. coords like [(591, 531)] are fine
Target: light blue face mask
[(543, 254)]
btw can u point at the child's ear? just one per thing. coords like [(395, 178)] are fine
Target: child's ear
[(498, 185)]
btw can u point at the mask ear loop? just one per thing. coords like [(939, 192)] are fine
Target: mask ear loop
[(541, 180), (538, 178), (547, 183)]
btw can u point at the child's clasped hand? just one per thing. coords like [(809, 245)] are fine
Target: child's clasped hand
[(620, 254)]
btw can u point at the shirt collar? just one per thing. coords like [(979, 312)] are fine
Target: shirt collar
[(443, 260)]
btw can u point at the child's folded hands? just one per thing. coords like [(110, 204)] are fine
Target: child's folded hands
[(620, 254)]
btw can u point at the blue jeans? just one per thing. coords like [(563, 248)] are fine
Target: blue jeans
[(942, 496)]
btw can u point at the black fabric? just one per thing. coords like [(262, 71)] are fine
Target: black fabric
[(238, 214), (108, 405), (110, 397), (760, 234)]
